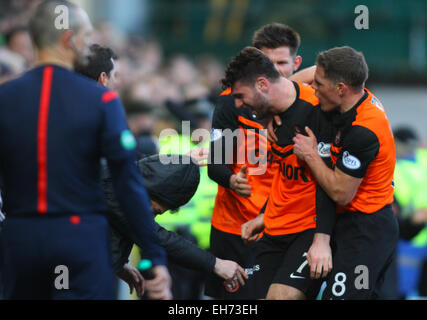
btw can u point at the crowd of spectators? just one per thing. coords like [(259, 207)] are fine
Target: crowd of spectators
[(158, 91)]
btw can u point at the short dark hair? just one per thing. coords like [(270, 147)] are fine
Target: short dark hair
[(344, 64), (247, 66), (276, 35), (98, 61), (42, 25)]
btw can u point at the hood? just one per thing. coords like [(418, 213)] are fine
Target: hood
[(172, 185)]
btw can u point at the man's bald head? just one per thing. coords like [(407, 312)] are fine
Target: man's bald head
[(44, 27)]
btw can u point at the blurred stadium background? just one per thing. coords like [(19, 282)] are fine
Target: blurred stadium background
[(206, 31), (176, 50)]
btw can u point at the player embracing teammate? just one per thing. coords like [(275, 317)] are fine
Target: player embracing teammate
[(340, 122)]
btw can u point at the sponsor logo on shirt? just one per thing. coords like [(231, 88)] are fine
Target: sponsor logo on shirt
[(350, 162)]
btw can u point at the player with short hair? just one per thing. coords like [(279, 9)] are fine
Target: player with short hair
[(361, 181), (242, 195), (296, 205)]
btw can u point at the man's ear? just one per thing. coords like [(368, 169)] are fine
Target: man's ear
[(262, 83), (66, 39), (342, 88), (297, 62), (103, 79)]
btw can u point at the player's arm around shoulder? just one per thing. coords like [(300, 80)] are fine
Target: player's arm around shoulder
[(340, 186)]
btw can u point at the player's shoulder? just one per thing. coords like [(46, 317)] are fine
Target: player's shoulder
[(306, 93), (225, 102), (371, 106), (17, 84), (371, 113), (362, 136), (225, 114)]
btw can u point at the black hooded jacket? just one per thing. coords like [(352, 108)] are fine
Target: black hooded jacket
[(172, 185)]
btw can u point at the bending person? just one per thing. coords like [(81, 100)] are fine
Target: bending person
[(169, 188)]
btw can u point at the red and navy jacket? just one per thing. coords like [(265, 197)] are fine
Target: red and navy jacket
[(55, 126)]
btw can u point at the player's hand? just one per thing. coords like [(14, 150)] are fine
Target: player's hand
[(251, 229), (305, 146), (239, 183), (271, 135), (199, 155), (319, 256), (133, 278), (230, 270), (159, 288)]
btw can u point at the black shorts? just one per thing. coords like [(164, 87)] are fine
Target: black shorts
[(363, 247), (229, 246), (282, 260)]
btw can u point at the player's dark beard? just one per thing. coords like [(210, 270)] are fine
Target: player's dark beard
[(262, 105)]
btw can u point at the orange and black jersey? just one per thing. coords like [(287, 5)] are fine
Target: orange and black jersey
[(363, 147), (249, 147), (296, 201)]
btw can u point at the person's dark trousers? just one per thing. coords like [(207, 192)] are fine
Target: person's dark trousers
[(57, 258)]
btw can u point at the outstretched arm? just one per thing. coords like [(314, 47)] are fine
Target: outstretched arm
[(305, 75)]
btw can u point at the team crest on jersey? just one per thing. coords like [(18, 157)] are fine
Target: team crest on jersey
[(338, 138), (231, 286), (324, 149), (297, 130)]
